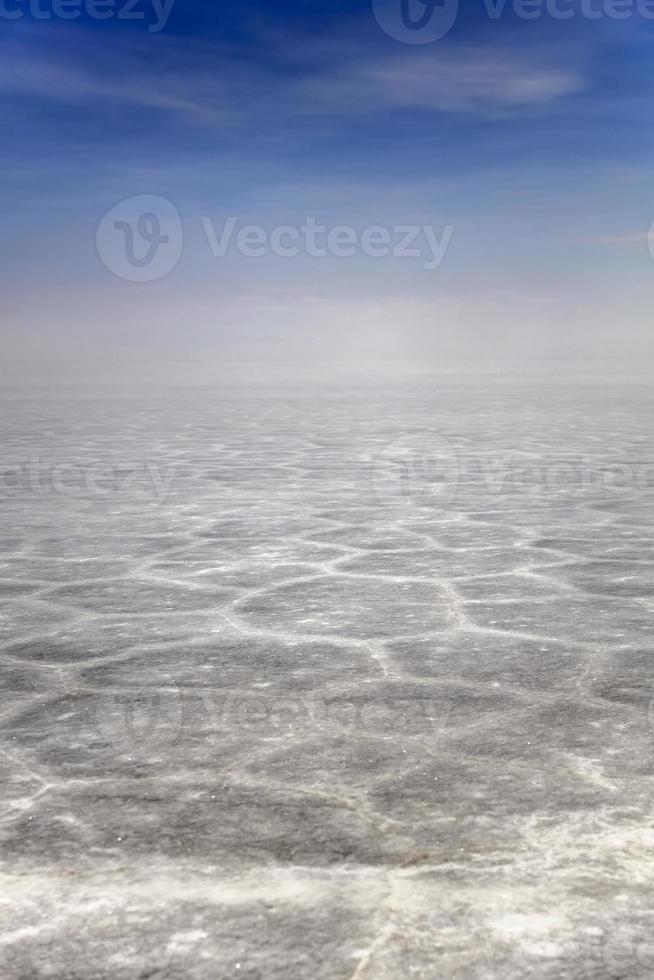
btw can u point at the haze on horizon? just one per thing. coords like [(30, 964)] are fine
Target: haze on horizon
[(529, 139)]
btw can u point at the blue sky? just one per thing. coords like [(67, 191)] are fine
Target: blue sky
[(532, 139)]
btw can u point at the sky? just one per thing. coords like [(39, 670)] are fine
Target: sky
[(505, 146)]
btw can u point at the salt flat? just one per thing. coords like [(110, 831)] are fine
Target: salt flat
[(348, 681)]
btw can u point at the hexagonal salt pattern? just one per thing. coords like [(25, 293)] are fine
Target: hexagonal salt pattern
[(343, 683)]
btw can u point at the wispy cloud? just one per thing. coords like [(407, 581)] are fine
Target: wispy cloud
[(172, 82), (633, 238), (464, 80), (204, 85)]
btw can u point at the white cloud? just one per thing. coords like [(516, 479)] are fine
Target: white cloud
[(202, 85), (465, 80), (635, 238)]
